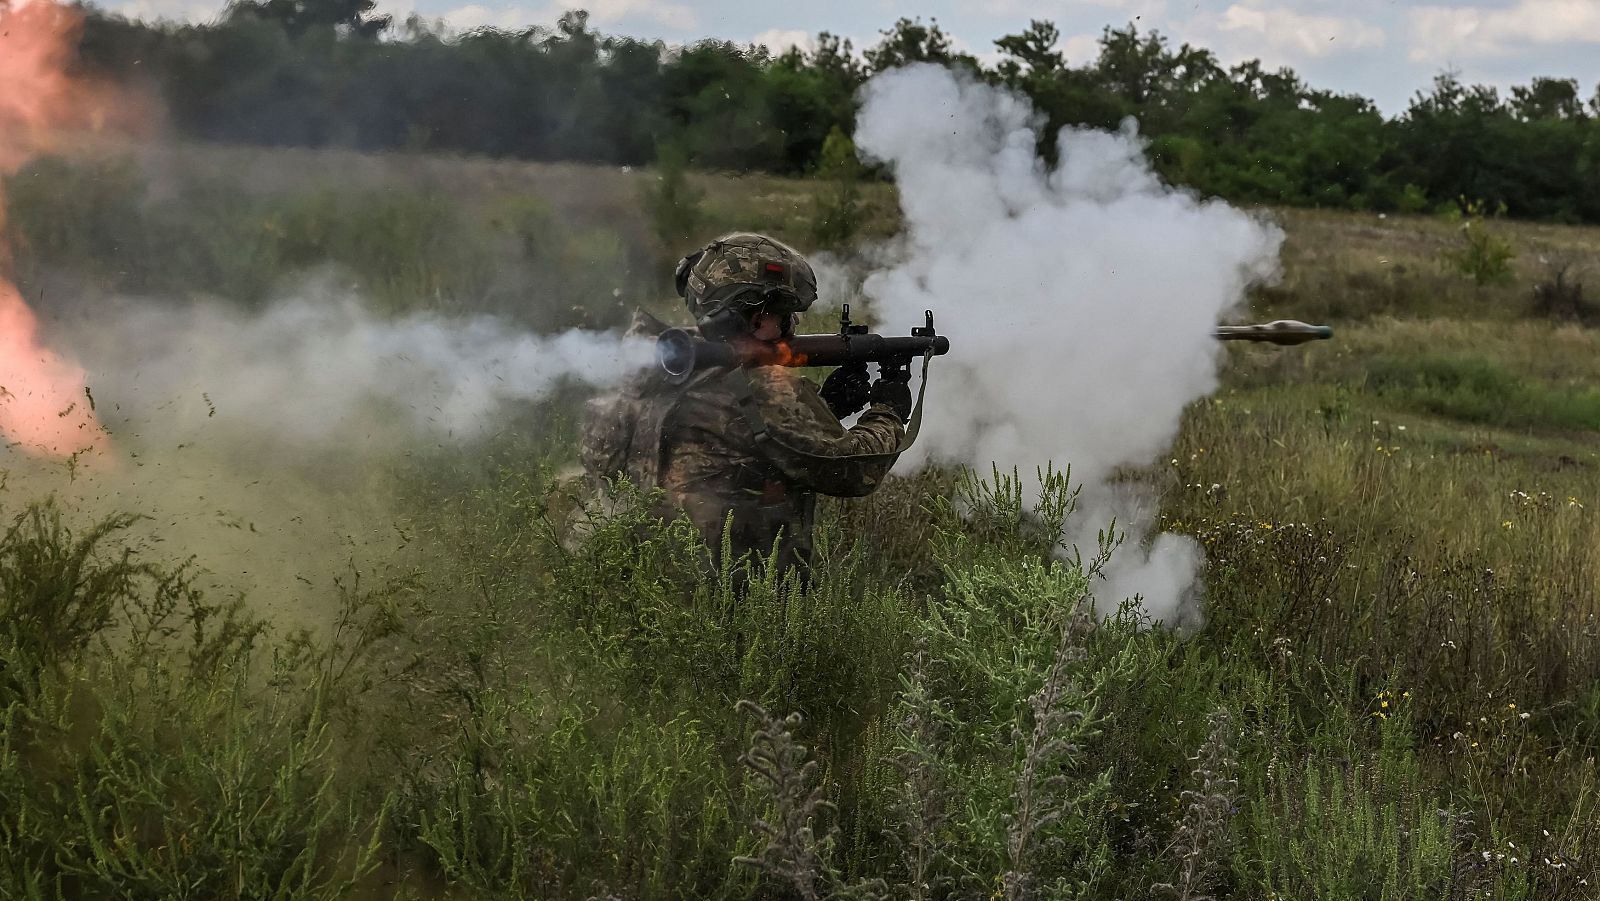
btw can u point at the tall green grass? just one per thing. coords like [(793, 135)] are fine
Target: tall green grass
[(534, 717), (1393, 695)]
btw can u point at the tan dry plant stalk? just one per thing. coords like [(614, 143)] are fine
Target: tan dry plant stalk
[(923, 794), (1200, 843), (794, 852), (1041, 789)]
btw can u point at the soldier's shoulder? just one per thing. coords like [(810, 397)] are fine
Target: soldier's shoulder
[(644, 324), (780, 381)]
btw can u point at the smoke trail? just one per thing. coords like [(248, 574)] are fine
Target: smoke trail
[(1081, 299), (318, 371), (265, 444)]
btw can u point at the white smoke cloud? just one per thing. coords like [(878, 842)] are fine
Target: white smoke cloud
[(263, 443), (318, 370), (1079, 301)]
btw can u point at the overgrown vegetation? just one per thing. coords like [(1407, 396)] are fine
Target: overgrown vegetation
[(1392, 696)]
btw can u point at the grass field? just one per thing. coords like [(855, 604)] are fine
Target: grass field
[(1396, 693)]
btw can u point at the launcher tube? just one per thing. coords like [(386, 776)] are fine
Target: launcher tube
[(681, 353)]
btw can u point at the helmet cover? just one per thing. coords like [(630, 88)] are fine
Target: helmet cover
[(747, 273)]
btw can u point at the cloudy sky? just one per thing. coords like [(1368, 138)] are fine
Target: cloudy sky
[(1383, 49)]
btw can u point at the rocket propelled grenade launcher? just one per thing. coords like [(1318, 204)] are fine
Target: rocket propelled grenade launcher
[(1282, 331), (681, 353)]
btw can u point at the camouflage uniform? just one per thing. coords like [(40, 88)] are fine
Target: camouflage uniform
[(745, 450), (694, 443)]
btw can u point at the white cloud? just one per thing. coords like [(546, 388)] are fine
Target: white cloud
[(1081, 49), (166, 10), (513, 16), (1044, 9), (1282, 36), (1440, 33), (472, 16), (779, 40), (671, 15)]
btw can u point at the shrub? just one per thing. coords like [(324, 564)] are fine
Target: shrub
[(1481, 254), (674, 203), (1560, 298), (837, 211)]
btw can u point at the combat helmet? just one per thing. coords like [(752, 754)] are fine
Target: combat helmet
[(738, 275)]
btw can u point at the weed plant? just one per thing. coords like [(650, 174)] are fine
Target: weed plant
[(1393, 694)]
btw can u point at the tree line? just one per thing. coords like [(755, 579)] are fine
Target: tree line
[(331, 73)]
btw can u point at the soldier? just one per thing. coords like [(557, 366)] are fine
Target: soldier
[(748, 449)]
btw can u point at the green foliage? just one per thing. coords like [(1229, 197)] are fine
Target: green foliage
[(674, 203), (837, 208), (58, 589), (1365, 831), (547, 709), (537, 798), (1482, 256), (130, 775), (910, 41), (295, 72), (403, 248), (1474, 389), (542, 703)]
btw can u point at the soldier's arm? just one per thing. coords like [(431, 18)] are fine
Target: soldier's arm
[(811, 448)]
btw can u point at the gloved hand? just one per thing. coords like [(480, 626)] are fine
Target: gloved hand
[(847, 389), (893, 388)]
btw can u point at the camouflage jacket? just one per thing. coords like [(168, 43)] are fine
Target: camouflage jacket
[(695, 443)]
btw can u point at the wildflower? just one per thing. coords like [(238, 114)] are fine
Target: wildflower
[(1522, 716), (1511, 706), (1506, 524), (1402, 428)]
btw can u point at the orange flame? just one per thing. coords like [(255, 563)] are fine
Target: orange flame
[(43, 398), (782, 354)]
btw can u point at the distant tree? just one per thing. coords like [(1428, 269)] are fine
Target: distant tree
[(811, 95), (910, 41), (1032, 53), (716, 104), (1547, 98), (352, 17), (313, 73), (1145, 71)]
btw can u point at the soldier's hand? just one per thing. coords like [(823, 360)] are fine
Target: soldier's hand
[(847, 389), (894, 391)]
